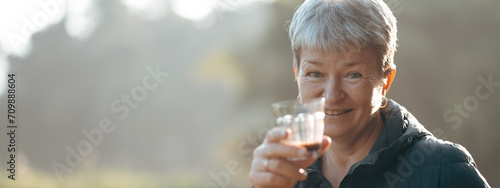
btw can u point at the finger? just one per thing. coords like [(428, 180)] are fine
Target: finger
[(278, 150), (285, 169), (268, 179), (279, 166), (277, 134), (325, 144)]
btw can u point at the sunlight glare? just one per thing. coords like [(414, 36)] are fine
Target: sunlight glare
[(148, 9), (20, 19), (81, 19), (194, 10)]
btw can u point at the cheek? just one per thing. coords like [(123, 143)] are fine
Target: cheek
[(363, 95), (377, 98), (309, 89), (373, 100)]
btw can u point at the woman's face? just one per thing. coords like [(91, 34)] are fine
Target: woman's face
[(351, 84)]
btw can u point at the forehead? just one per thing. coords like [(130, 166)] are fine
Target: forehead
[(351, 56)]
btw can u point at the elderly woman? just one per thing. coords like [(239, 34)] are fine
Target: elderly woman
[(344, 51)]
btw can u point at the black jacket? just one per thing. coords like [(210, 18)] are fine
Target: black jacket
[(406, 155)]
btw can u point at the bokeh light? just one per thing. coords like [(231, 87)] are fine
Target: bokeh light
[(195, 10)]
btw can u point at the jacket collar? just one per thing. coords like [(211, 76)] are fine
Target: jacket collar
[(401, 129)]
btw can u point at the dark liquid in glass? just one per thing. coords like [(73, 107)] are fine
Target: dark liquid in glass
[(312, 146)]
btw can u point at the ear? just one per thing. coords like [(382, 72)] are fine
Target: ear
[(389, 78)]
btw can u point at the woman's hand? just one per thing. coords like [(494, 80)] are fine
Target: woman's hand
[(270, 167)]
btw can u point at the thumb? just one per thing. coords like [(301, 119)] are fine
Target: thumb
[(325, 144)]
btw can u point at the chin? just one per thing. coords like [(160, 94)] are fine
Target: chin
[(335, 130)]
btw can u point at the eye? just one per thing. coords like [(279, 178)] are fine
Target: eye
[(314, 74), (354, 75)]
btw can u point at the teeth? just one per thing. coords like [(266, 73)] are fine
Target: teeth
[(335, 112)]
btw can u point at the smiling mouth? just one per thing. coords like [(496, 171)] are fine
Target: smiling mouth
[(336, 112)]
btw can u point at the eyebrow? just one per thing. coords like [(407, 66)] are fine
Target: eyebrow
[(314, 62)]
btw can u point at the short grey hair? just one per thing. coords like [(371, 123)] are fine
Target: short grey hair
[(338, 25)]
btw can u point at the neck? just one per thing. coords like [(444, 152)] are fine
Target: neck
[(352, 144), (344, 152)]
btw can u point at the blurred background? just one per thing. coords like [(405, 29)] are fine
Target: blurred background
[(183, 87)]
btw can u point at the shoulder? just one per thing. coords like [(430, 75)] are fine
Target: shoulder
[(452, 163), (444, 152)]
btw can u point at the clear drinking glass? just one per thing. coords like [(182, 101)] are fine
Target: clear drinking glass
[(306, 120)]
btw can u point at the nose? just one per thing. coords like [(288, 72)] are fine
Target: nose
[(333, 91)]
